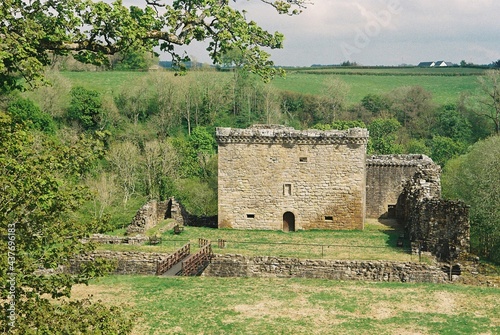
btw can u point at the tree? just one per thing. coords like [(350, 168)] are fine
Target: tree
[(160, 166), (375, 103), (451, 123), (413, 108), (40, 187), (333, 100), (475, 179), (124, 159), (25, 111), (444, 148), (490, 101), (133, 60), (86, 108), (383, 136), (33, 30)]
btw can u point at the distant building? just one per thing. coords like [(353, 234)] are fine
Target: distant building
[(440, 63), (427, 64)]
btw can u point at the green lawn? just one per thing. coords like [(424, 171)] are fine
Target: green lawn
[(105, 82), (205, 305), (376, 242)]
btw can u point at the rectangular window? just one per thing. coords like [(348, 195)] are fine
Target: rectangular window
[(303, 159), (250, 216), (328, 218), (287, 189)]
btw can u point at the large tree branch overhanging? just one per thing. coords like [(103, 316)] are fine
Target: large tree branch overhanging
[(93, 30)]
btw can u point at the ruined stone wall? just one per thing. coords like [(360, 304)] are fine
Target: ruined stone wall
[(433, 224), (385, 177), (379, 271), (316, 177), (145, 218), (143, 263), (153, 212)]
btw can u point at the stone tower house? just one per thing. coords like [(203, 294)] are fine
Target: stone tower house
[(279, 178)]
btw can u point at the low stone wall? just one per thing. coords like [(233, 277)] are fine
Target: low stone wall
[(379, 271), (107, 239), (127, 263)]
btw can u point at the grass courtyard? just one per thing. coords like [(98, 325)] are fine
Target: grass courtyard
[(378, 241), (204, 305)]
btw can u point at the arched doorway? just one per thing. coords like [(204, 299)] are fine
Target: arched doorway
[(288, 221)]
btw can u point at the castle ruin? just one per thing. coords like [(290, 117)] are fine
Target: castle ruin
[(279, 178)]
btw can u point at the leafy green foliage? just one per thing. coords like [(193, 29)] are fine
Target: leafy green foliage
[(475, 179), (198, 197), (383, 137), (451, 123), (25, 111), (40, 189), (86, 108), (75, 317), (445, 148), (375, 103), (32, 31), (133, 60), (196, 152)]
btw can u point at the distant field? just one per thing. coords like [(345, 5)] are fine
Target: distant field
[(376, 242), (204, 305), (107, 82), (446, 85)]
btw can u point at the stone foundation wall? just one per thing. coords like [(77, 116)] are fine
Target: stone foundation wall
[(379, 271), (386, 176), (127, 263), (107, 239), (438, 226)]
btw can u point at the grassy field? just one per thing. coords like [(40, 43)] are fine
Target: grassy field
[(376, 242), (444, 88), (446, 85), (203, 305)]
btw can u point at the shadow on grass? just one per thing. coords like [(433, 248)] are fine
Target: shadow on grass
[(396, 234)]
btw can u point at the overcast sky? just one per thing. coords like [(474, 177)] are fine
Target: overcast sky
[(381, 32)]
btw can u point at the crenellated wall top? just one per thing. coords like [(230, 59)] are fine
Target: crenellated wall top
[(272, 134), (399, 160)]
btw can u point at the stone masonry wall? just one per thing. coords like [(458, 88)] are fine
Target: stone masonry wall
[(385, 177), (153, 212), (379, 271), (438, 226), (145, 218), (143, 263), (315, 179)]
